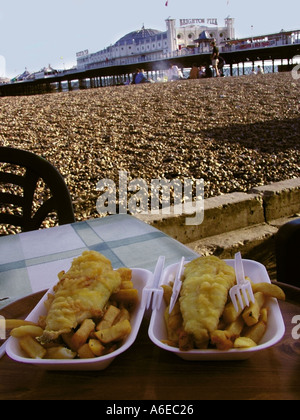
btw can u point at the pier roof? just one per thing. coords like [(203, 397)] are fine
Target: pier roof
[(139, 34)]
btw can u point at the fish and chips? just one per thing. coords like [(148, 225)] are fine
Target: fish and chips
[(204, 316), (88, 313)]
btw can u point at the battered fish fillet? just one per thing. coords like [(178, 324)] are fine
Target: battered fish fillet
[(81, 293), (203, 296)]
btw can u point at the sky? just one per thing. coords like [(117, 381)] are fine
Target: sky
[(34, 34)]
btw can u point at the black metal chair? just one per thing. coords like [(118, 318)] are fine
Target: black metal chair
[(288, 253), (18, 190)]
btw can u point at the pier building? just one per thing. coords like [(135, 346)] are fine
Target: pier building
[(155, 51), (150, 44)]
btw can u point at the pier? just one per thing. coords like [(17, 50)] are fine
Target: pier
[(238, 61)]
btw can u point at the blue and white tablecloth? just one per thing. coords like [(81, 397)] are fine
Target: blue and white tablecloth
[(30, 262)]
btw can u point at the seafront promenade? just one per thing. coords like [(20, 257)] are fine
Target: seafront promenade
[(239, 58)]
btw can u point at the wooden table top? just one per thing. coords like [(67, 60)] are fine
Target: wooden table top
[(146, 372)]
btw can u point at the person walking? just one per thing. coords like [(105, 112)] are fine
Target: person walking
[(215, 58)]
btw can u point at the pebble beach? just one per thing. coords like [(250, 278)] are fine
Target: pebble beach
[(235, 133)]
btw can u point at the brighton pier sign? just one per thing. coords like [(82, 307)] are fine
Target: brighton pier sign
[(209, 21)]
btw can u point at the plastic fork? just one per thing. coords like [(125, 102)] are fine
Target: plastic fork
[(177, 285), (154, 291), (242, 291)]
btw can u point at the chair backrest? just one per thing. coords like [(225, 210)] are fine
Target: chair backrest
[(30, 169)]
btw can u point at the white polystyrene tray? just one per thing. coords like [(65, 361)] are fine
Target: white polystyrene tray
[(274, 333), (140, 279)]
